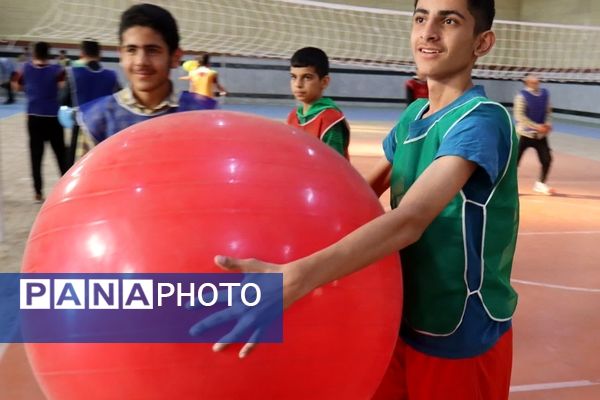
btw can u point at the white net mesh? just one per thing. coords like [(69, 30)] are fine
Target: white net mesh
[(350, 35)]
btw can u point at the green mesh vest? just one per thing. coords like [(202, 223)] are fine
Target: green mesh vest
[(434, 268)]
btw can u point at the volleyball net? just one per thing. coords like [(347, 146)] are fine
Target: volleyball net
[(368, 37)]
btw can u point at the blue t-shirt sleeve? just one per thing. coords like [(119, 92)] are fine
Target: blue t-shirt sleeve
[(389, 145), (483, 137)]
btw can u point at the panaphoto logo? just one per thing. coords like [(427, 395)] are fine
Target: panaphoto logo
[(130, 294)]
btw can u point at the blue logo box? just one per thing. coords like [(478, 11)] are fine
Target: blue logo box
[(139, 308)]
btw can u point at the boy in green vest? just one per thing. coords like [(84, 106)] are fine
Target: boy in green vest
[(451, 165), (317, 115)]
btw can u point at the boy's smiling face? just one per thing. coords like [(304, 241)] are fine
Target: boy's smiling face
[(443, 39), (146, 60)]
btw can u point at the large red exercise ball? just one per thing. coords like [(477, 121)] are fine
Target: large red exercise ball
[(169, 194)]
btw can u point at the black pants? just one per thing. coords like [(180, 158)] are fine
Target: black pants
[(42, 129), (10, 96), (72, 151), (543, 151)]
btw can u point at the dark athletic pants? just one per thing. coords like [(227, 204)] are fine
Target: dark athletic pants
[(42, 129), (543, 151)]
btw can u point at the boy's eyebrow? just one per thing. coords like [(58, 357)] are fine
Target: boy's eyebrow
[(442, 13), (145, 46), (302, 74), (140, 45), (445, 13)]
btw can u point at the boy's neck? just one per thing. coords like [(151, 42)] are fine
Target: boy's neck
[(442, 93), (152, 99)]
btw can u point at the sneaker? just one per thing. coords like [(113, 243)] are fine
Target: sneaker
[(540, 187), (39, 198)]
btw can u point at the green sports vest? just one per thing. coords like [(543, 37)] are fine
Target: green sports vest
[(434, 268)]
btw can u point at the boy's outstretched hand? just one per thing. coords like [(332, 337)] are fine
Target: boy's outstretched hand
[(253, 319)]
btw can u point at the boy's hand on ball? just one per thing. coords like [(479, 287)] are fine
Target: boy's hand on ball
[(248, 319)]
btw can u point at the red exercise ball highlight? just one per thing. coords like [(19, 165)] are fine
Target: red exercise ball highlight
[(169, 194)]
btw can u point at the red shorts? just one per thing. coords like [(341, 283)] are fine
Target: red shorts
[(413, 375)]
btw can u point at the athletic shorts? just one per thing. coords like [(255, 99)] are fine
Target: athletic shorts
[(413, 375)]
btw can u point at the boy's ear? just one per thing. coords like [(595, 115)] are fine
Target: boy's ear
[(325, 81), (176, 58), (484, 43)]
